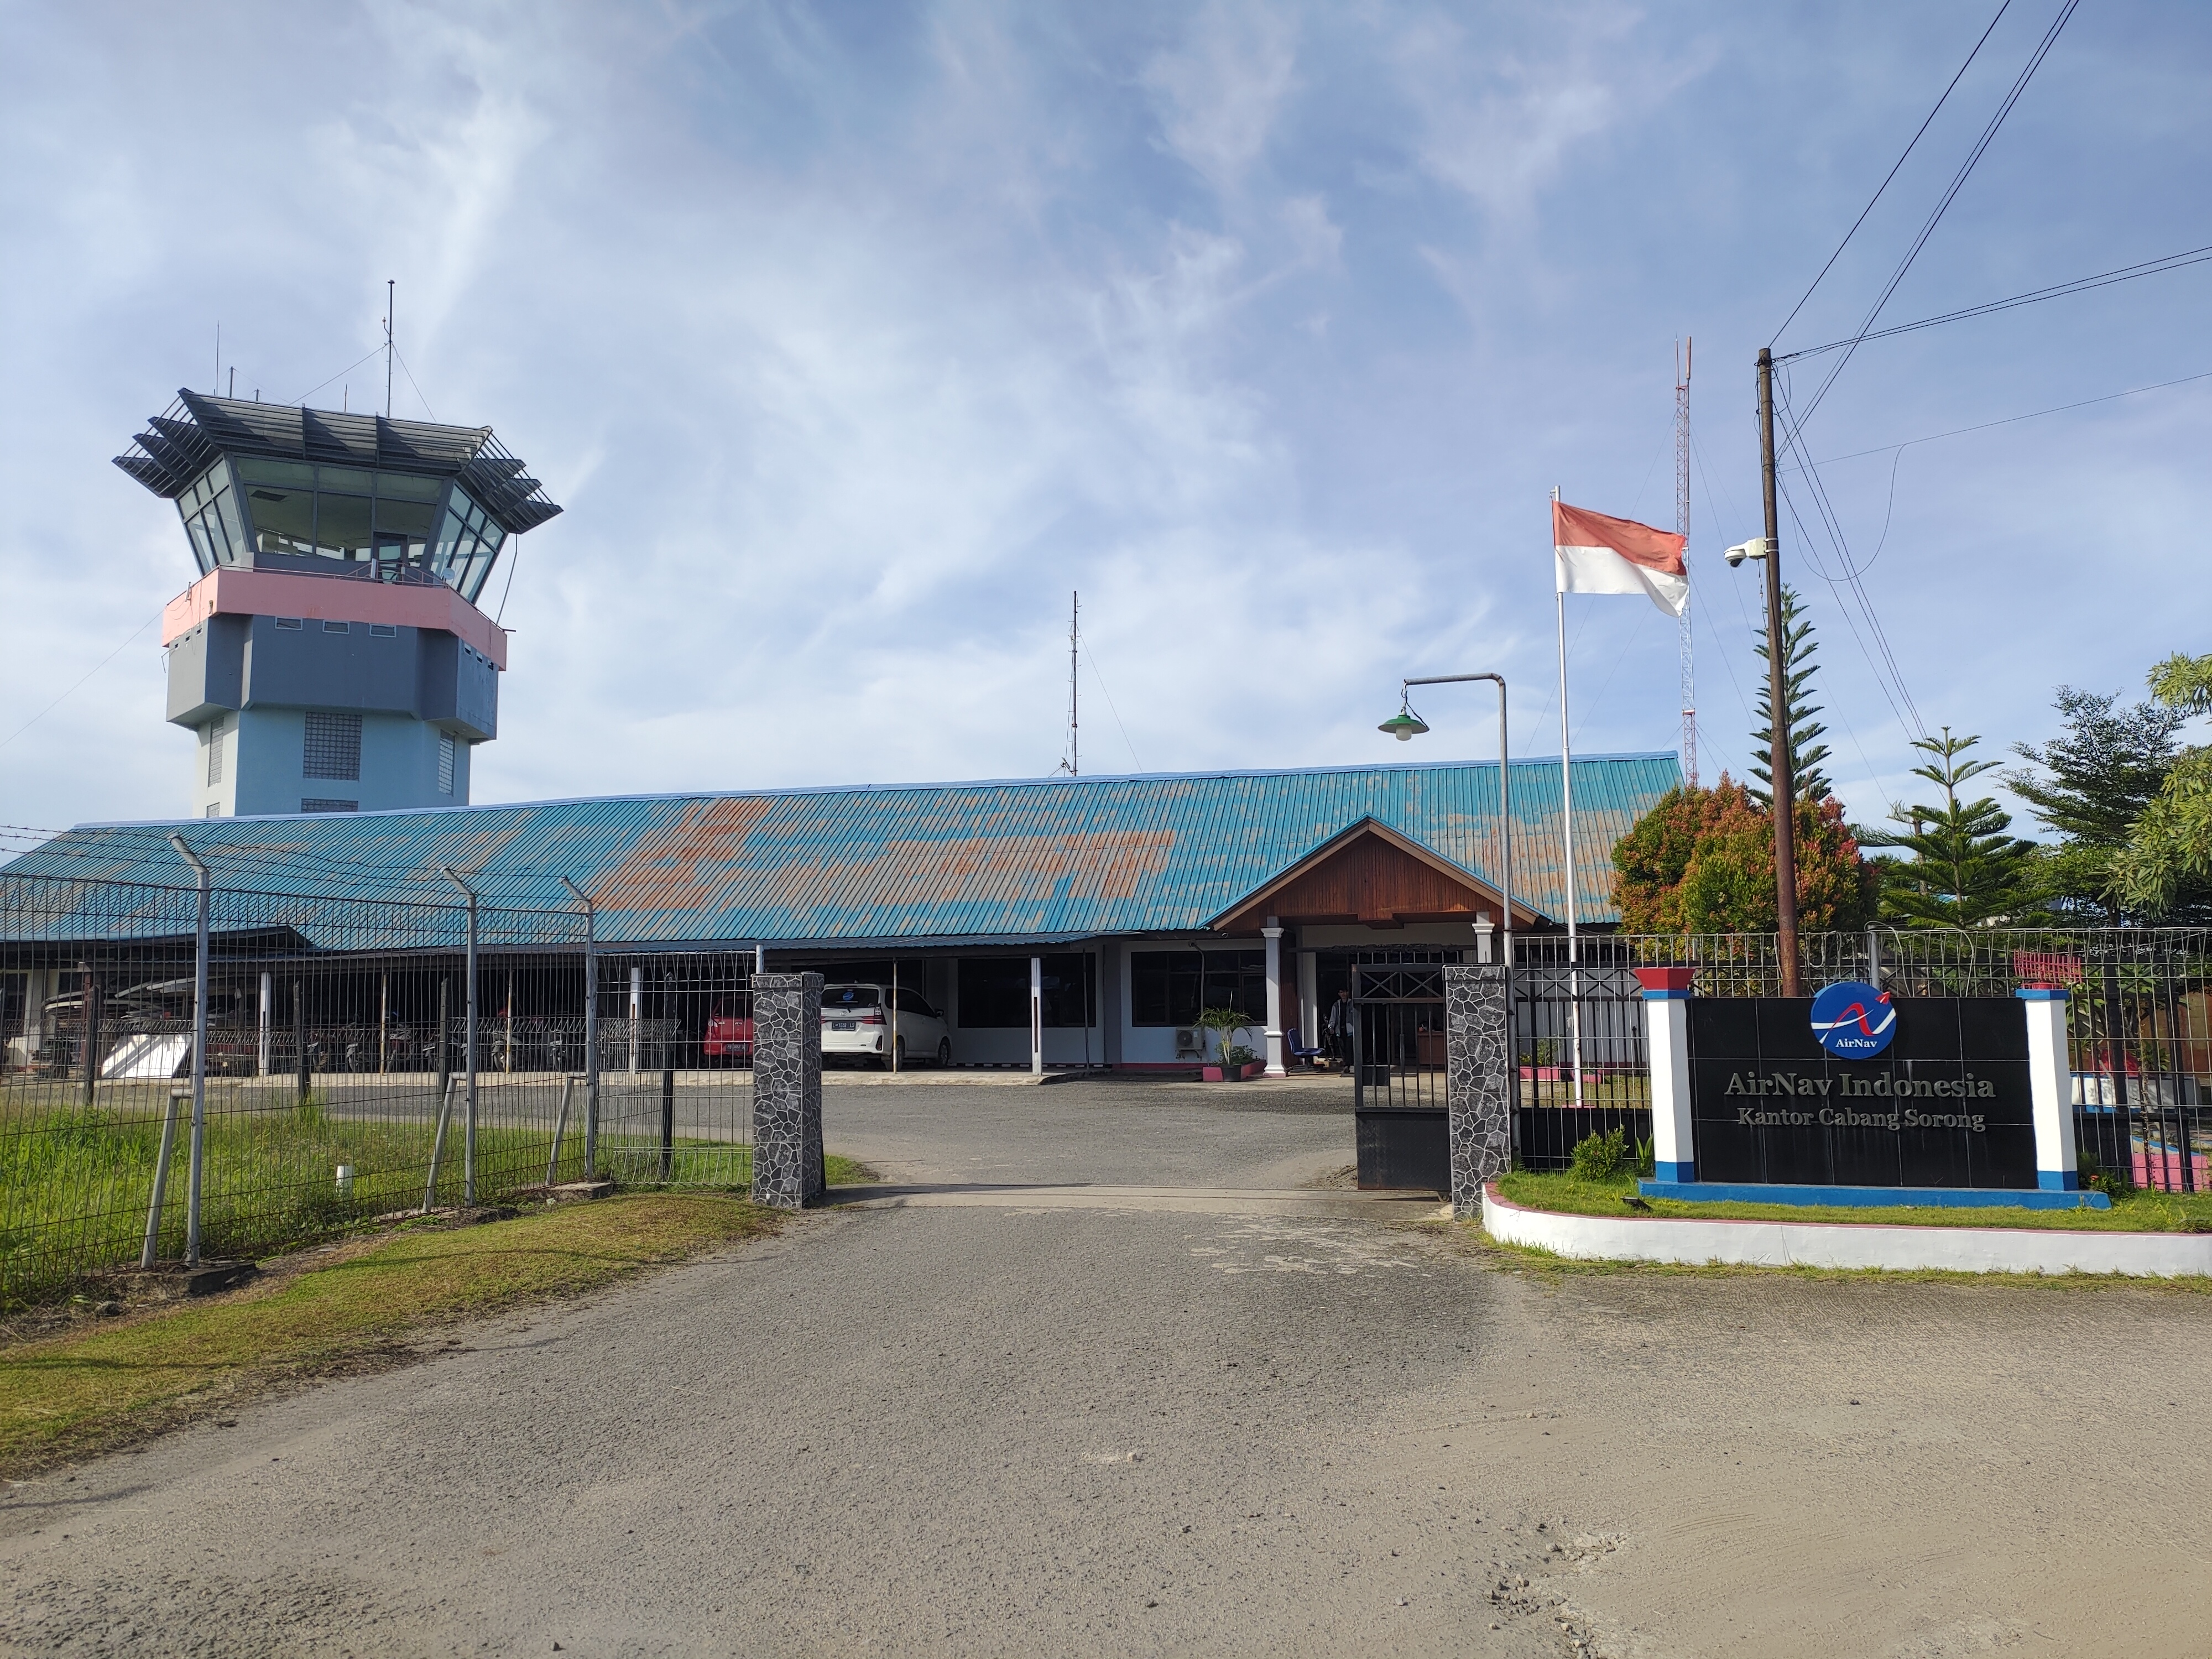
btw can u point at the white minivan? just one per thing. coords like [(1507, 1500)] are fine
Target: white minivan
[(856, 1023)]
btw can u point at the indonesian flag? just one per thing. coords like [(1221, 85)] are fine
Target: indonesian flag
[(1598, 555)]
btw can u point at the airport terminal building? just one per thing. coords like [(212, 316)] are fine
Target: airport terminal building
[(1136, 902)]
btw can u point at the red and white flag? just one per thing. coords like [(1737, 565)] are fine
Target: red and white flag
[(1598, 555)]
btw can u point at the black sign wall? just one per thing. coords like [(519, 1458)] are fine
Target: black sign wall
[(1948, 1104)]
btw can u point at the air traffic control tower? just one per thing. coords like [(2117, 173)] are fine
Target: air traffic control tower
[(331, 658)]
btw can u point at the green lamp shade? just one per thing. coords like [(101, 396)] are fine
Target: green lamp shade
[(1405, 726)]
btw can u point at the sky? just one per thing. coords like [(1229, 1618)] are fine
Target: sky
[(853, 339)]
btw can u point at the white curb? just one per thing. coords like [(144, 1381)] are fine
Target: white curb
[(1844, 1244)]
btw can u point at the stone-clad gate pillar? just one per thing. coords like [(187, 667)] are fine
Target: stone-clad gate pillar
[(787, 1090), (1479, 1084)]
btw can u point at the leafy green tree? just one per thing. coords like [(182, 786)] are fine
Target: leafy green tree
[(2092, 784), (2167, 861), (1702, 861), (1799, 651), (1966, 871)]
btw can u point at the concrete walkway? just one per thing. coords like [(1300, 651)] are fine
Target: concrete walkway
[(930, 1421)]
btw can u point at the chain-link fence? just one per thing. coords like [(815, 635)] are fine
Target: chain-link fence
[(2139, 1024), (171, 1088)]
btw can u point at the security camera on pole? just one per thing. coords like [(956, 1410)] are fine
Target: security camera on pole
[(1786, 783)]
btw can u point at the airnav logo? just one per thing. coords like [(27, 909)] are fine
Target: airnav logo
[(1854, 1021)]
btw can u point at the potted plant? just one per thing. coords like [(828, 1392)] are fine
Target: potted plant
[(1224, 1022)]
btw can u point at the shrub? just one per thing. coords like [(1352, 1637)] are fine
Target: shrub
[(2096, 1178), (1601, 1157)]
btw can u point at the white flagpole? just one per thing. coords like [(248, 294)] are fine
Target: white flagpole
[(1567, 830)]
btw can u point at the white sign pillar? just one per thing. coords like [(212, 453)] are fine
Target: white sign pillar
[(2051, 1086), (1273, 934), (1666, 1042)]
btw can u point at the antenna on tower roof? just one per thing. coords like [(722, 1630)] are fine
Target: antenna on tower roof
[(391, 306), (1073, 764)]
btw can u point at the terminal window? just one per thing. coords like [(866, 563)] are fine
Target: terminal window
[(332, 749), (324, 803), (1170, 987), (995, 992), (215, 731), (445, 763)]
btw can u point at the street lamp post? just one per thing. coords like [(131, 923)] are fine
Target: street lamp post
[(1406, 724)]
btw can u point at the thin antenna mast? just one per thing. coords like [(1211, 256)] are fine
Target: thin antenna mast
[(391, 298), (1074, 726), (1682, 527)]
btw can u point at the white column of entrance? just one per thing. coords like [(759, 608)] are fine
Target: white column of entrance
[(268, 1006), (637, 1011), (1036, 1016), (1310, 999), (1273, 934)]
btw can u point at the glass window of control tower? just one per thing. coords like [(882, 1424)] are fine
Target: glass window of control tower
[(347, 514), (468, 545), (209, 507)]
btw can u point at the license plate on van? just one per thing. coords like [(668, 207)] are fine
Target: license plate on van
[(844, 1024)]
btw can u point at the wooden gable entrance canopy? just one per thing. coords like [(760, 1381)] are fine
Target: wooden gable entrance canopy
[(1370, 873)]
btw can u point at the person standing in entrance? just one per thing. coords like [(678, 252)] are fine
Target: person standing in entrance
[(1340, 1028)]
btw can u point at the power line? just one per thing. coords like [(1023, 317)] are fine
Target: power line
[(1984, 426), (1849, 347), (340, 375), (1091, 656), (89, 673), (1891, 174), (2195, 256), (410, 374)]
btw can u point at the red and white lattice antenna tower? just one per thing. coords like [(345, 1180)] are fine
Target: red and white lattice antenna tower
[(1682, 526)]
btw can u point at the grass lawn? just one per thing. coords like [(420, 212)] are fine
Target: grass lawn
[(2136, 1212), (364, 1304)]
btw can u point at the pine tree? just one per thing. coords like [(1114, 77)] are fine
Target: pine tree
[(1799, 649), (2094, 782), (2165, 869), (1965, 870)]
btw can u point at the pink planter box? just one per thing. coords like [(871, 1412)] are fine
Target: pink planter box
[(2165, 1176)]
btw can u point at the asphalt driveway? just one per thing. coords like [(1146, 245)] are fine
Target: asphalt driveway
[(1198, 1421)]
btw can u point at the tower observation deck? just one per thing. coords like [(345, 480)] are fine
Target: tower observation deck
[(330, 656)]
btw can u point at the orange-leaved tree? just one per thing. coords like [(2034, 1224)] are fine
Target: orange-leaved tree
[(1702, 861)]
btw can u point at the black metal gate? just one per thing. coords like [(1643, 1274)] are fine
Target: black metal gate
[(1578, 1047), (1398, 1073)]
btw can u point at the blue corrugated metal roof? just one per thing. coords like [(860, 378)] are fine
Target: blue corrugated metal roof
[(1071, 857)]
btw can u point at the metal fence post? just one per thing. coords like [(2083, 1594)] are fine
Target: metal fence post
[(302, 1063), (91, 1012), (268, 1006), (469, 1043), (591, 1031), (199, 1057), (667, 1122), (147, 1256)]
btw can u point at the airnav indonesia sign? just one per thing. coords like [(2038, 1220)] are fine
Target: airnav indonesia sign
[(1855, 1090)]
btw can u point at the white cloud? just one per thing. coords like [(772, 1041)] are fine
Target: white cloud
[(1221, 93), (853, 341)]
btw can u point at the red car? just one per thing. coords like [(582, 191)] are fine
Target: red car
[(730, 1031)]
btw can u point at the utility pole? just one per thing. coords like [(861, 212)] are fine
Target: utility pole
[(1777, 761), (1682, 527)]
